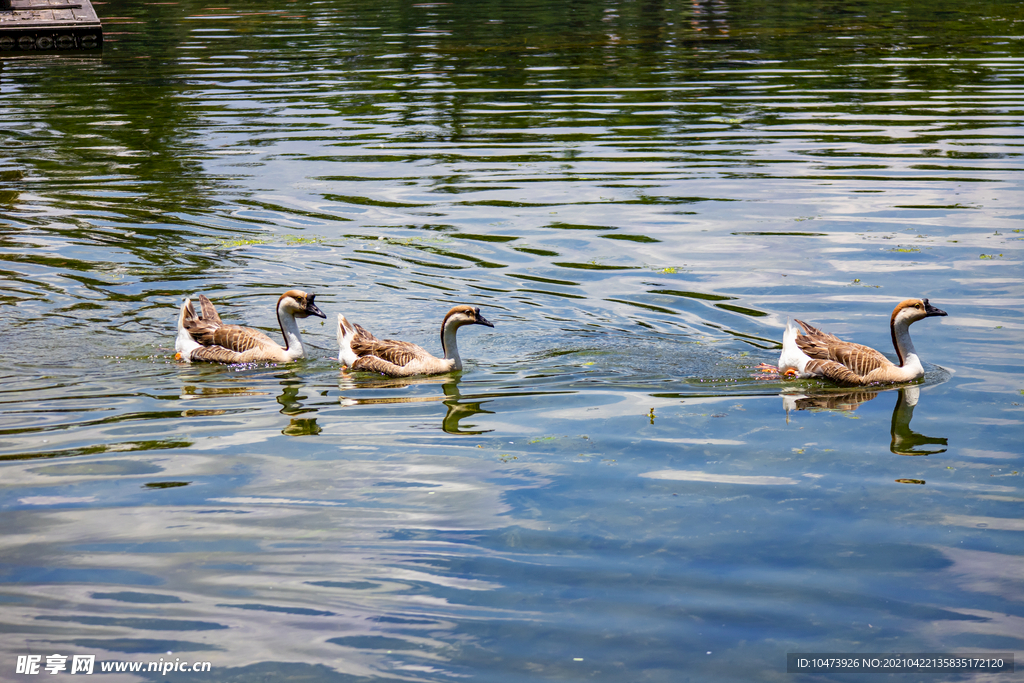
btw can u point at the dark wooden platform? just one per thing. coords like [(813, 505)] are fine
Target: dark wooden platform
[(47, 26)]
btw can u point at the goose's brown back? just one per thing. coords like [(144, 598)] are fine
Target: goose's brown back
[(225, 343), (232, 337), (387, 356), (856, 359)]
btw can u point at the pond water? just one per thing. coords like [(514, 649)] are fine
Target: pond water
[(638, 195)]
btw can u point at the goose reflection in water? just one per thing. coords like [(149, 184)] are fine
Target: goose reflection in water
[(458, 407), (905, 441), (292, 399), (292, 405)]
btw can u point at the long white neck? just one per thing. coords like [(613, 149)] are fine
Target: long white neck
[(450, 346), (905, 348), (292, 337)]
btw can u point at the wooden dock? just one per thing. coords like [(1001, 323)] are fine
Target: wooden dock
[(30, 27)]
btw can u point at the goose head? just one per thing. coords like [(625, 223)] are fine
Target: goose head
[(464, 315), (912, 310), (299, 304)]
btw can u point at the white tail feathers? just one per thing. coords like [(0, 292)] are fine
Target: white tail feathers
[(186, 313), (346, 333), (184, 344), (792, 359)]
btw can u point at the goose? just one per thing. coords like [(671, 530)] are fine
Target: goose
[(207, 337), (813, 353), (360, 350)]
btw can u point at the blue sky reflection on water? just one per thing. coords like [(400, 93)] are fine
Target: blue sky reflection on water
[(638, 197)]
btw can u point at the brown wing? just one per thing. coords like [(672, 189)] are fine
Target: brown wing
[(230, 337), (209, 313), (375, 364), (857, 358), (399, 353), (390, 351), (217, 354), (836, 372)]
